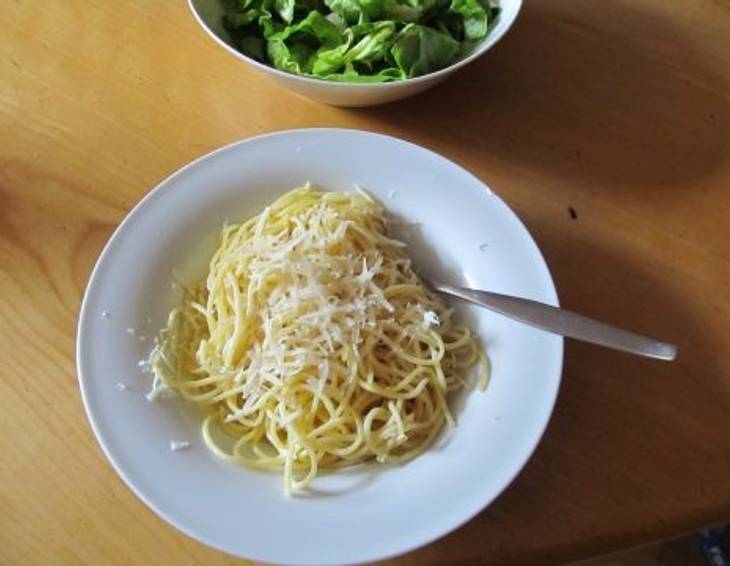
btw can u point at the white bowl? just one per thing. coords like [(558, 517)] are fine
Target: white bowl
[(208, 13), (466, 233)]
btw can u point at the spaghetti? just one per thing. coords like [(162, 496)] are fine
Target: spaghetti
[(313, 343)]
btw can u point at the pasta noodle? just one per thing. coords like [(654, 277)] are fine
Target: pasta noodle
[(312, 342)]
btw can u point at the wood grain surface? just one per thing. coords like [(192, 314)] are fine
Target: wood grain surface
[(616, 109)]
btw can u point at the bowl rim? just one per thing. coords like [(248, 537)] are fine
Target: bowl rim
[(489, 41)]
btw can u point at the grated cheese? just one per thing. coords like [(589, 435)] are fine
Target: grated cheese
[(332, 298), (430, 319)]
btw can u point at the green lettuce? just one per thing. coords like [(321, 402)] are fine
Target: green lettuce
[(360, 41)]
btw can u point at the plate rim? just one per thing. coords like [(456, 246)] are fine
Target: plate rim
[(155, 192)]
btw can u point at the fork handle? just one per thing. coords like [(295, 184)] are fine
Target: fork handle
[(564, 322)]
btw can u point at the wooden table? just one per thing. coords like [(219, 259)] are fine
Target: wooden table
[(618, 110)]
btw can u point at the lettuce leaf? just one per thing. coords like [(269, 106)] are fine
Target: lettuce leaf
[(360, 41), (420, 50)]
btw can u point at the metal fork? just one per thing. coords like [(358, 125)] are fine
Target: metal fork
[(561, 321)]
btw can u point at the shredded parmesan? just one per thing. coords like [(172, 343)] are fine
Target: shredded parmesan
[(177, 445), (430, 319)]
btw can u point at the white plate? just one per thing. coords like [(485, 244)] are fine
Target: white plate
[(353, 516)]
